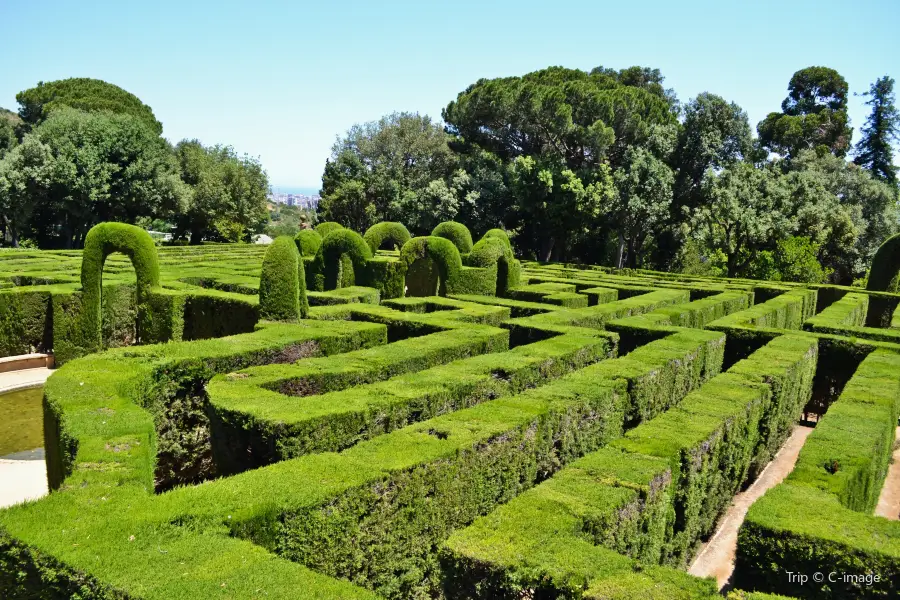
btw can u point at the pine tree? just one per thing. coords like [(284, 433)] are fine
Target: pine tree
[(874, 151)]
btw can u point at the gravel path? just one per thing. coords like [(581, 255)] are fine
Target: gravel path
[(716, 558), (889, 501)]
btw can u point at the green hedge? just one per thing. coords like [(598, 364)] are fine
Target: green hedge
[(394, 234), (648, 496), (100, 242), (308, 242), (387, 275), (282, 283), (438, 251), (262, 426), (819, 519), (323, 229), (850, 310), (455, 232), (885, 270), (343, 250), (25, 322)]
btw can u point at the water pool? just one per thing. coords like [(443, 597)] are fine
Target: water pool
[(21, 421)]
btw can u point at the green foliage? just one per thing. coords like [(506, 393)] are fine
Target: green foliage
[(228, 199), (89, 95), (101, 241), (308, 242), (814, 114), (399, 168), (875, 150), (387, 232), (337, 245), (431, 250), (323, 229), (456, 233), (885, 271), (280, 284)]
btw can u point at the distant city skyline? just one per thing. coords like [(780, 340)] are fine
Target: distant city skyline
[(285, 96)]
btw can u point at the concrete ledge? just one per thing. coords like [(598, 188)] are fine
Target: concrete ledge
[(14, 381), (26, 361)]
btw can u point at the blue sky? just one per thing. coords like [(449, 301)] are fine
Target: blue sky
[(279, 80)]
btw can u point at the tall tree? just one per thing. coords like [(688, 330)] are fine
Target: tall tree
[(228, 193), (813, 114), (379, 168), (98, 167), (715, 135), (558, 135), (882, 129), (88, 95), (8, 122)]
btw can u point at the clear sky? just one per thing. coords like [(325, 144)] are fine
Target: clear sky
[(279, 80)]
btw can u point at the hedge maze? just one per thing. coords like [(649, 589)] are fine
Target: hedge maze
[(385, 416)]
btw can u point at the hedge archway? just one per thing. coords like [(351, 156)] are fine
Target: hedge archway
[(282, 283), (387, 231), (885, 270), (337, 244), (457, 233), (491, 250), (308, 242), (444, 255), (327, 227), (101, 241)]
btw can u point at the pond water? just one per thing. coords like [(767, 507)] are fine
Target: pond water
[(21, 421)]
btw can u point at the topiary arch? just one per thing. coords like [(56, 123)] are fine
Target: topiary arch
[(495, 249), (327, 227), (457, 233), (101, 241), (394, 233), (342, 243), (885, 270), (308, 242), (445, 256), (282, 283)]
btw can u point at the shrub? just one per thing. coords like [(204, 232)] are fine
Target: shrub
[(327, 227), (101, 241), (394, 234), (279, 285), (456, 233), (442, 253), (885, 270), (343, 248), (308, 242)]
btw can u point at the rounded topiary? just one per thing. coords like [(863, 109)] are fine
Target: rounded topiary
[(327, 227), (500, 235), (394, 233), (883, 274), (457, 233), (440, 250), (308, 242), (101, 241), (338, 244), (282, 284)]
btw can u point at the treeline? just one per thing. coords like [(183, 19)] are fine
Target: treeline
[(609, 167), (83, 151)]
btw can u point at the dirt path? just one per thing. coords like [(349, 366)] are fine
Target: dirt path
[(716, 558), (889, 501)]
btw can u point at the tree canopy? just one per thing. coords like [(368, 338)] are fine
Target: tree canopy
[(882, 129), (89, 95)]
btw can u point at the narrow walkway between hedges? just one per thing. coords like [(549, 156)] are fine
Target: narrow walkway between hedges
[(889, 501), (23, 476), (716, 558)]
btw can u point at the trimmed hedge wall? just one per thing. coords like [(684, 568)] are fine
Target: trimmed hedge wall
[(819, 519), (649, 496), (308, 242)]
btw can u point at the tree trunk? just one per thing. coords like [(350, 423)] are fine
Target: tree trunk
[(620, 253), (547, 249)]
